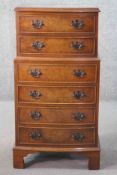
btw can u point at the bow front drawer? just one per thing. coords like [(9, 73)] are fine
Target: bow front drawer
[(56, 136), (58, 22), (56, 115), (57, 73), (57, 94), (41, 45)]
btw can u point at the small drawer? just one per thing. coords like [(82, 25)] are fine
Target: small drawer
[(56, 115), (57, 94), (58, 22), (41, 45), (57, 73), (56, 136)]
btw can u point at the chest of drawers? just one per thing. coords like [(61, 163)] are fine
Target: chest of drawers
[(57, 83)]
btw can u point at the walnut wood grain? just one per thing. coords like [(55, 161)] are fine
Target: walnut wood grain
[(51, 21), (56, 46), (62, 72), (55, 94), (56, 115), (56, 136)]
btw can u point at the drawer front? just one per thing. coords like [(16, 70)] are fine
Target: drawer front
[(56, 22), (56, 136), (38, 45), (56, 115), (57, 94), (78, 73)]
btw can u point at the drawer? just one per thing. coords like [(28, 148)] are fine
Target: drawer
[(56, 136), (57, 94), (40, 45), (69, 22), (56, 115), (57, 73)]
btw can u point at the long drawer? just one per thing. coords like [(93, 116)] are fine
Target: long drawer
[(56, 136), (57, 73), (58, 22), (56, 115), (57, 94), (40, 45)]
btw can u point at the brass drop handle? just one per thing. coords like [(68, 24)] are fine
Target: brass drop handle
[(76, 23), (35, 135), (79, 116), (78, 137), (79, 73), (35, 94), (77, 45), (78, 94), (38, 45), (35, 115), (34, 73), (37, 24)]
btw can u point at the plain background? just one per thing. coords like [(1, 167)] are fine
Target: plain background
[(107, 41), (108, 92)]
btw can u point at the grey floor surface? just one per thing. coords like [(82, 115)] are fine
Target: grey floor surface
[(60, 164)]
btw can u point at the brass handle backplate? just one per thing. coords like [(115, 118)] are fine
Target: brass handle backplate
[(35, 135), (35, 115), (78, 94), (37, 24), (79, 73), (38, 45), (35, 94), (78, 136), (77, 45), (34, 73), (78, 24), (79, 116)]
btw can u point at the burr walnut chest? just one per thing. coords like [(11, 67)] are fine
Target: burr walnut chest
[(57, 83)]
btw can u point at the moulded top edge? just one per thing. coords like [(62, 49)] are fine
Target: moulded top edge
[(83, 10)]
